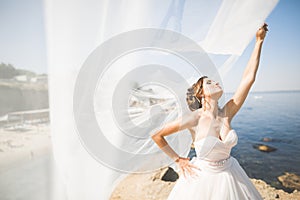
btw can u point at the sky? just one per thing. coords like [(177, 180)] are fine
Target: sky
[(279, 67), (22, 44), (22, 35)]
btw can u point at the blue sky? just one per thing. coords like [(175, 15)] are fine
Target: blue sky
[(22, 35), (280, 64), (22, 40)]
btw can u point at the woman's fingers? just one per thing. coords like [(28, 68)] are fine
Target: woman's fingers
[(261, 33), (191, 172), (265, 27), (187, 168), (194, 166), (183, 171)]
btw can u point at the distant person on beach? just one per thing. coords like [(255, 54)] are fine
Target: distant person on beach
[(213, 173)]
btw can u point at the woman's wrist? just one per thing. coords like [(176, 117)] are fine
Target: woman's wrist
[(177, 159), (259, 41)]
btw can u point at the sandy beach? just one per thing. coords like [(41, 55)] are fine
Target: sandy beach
[(19, 144), (27, 168)]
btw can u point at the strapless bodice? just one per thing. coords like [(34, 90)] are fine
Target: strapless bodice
[(212, 148), (218, 174)]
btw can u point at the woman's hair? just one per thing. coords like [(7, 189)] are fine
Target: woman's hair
[(192, 100)]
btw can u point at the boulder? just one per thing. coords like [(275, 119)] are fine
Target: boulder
[(290, 180), (170, 175), (264, 148)]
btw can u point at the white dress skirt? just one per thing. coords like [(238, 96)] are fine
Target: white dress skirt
[(220, 176)]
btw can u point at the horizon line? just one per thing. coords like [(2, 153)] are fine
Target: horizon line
[(268, 91)]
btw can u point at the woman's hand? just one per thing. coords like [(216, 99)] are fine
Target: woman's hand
[(261, 33), (186, 167)]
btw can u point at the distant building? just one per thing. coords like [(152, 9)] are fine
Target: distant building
[(25, 117), (39, 79), (21, 78)]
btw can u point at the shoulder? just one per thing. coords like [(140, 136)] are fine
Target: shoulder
[(197, 113), (188, 120), (195, 116)]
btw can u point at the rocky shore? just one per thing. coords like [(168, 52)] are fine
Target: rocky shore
[(23, 144), (151, 187)]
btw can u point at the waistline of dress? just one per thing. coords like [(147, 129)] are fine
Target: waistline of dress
[(213, 166)]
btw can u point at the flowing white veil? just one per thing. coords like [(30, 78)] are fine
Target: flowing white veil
[(119, 70)]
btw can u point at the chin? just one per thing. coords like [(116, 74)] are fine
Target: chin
[(218, 94)]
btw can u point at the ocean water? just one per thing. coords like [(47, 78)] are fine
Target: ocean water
[(274, 115)]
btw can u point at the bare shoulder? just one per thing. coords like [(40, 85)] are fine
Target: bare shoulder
[(197, 113), (189, 119), (195, 116)]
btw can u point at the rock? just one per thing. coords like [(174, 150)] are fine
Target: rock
[(266, 139), (170, 175), (290, 180), (159, 174), (264, 148), (140, 186)]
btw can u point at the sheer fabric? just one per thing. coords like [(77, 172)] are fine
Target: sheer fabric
[(76, 28)]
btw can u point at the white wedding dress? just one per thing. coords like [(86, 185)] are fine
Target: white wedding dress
[(220, 176)]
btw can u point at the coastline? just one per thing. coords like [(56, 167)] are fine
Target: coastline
[(267, 91), (23, 144)]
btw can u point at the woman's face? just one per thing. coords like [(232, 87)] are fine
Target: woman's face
[(212, 89)]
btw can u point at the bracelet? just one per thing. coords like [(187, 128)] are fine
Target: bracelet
[(177, 159)]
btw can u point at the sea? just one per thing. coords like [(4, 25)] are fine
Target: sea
[(274, 115)]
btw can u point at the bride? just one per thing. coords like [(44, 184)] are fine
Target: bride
[(213, 174)]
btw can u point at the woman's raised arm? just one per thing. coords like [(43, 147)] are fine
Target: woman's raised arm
[(235, 103)]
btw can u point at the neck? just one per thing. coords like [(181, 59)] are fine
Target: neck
[(212, 107)]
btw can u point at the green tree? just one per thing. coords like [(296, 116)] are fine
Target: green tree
[(7, 71)]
